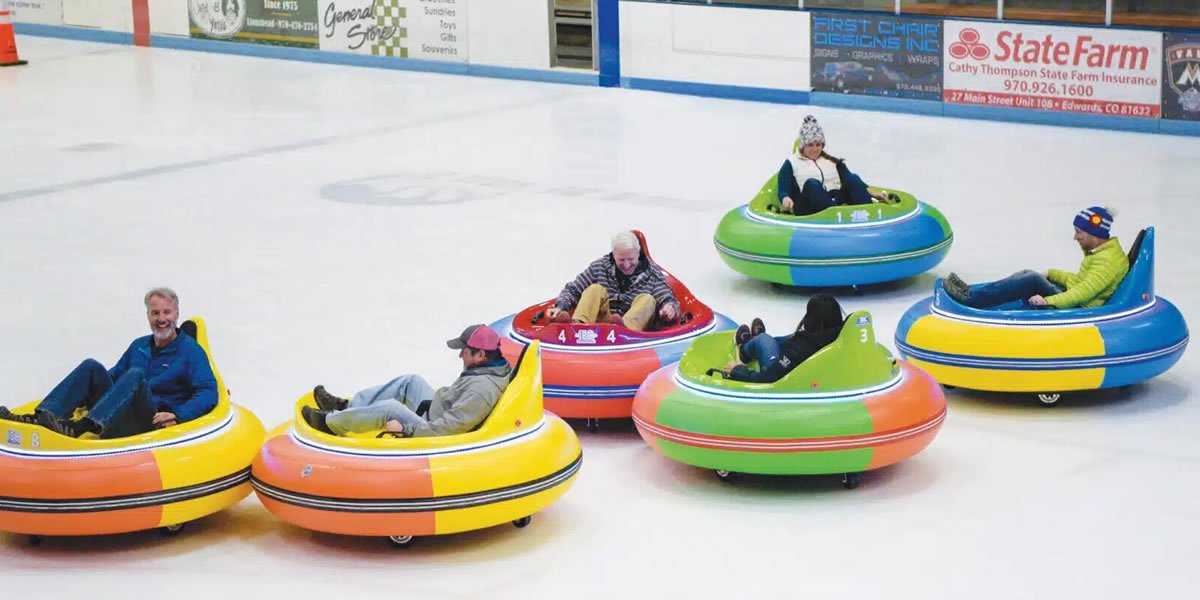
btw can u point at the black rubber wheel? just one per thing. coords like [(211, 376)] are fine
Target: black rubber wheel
[(522, 522), (172, 530), (401, 541), (36, 540), (850, 480), (593, 425), (857, 290), (724, 475)]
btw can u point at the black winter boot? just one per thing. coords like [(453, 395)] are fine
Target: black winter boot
[(316, 419), (757, 327), (327, 401)]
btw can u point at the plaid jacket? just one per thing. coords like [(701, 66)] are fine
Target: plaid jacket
[(647, 279)]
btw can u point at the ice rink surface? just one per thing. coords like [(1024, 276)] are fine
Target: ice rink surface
[(336, 225)]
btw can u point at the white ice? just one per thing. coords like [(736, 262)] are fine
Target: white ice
[(336, 225)]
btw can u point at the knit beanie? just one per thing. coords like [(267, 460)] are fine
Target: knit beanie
[(1096, 220), (811, 131)]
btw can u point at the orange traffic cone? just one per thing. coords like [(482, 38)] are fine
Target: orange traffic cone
[(8, 40)]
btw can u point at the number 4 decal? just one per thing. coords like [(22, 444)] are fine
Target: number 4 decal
[(562, 336), (611, 337)]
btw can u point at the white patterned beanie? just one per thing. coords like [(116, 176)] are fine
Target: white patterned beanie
[(811, 132)]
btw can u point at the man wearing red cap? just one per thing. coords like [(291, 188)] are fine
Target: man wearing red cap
[(396, 406)]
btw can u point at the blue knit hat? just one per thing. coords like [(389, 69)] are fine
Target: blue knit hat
[(1096, 220)]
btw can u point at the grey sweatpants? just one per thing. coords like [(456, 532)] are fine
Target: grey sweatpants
[(371, 408)]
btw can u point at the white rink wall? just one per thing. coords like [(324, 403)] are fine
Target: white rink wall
[(503, 33), (715, 45)]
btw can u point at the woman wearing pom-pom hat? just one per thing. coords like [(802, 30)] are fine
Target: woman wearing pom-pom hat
[(1104, 266), (812, 180)]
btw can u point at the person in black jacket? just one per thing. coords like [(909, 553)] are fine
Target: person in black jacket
[(777, 356)]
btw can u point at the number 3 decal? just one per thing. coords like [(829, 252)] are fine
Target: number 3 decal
[(863, 339)]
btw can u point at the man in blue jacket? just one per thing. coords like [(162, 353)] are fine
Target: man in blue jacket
[(163, 379)]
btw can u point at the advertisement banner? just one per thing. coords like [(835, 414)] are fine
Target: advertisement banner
[(427, 29), (1181, 77), (1095, 71), (877, 55), (49, 12), (273, 22)]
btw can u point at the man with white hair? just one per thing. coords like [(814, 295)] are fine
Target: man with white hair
[(161, 380), (621, 287)]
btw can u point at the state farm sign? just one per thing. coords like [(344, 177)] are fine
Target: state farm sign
[(1096, 71)]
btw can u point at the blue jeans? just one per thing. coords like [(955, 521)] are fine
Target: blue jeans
[(768, 352), (120, 408), (814, 198), (1015, 288), (372, 408), (765, 349)]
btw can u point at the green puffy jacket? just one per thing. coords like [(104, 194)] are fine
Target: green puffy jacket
[(1099, 275)]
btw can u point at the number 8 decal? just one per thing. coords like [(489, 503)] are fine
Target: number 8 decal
[(863, 339)]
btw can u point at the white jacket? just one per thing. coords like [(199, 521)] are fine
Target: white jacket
[(822, 169)]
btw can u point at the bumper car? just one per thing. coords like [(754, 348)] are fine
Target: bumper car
[(1133, 337), (849, 408), (593, 371), (53, 485), (848, 245), (516, 463)]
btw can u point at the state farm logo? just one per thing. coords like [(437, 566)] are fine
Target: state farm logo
[(968, 44), (1044, 49)]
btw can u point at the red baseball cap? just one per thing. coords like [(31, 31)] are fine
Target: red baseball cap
[(479, 337)]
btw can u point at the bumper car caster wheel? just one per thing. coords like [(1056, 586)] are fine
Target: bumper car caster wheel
[(400, 541), (726, 475), (522, 522), (850, 480), (1049, 399), (173, 530)]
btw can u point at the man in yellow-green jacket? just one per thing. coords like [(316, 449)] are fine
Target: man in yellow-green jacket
[(1104, 266)]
